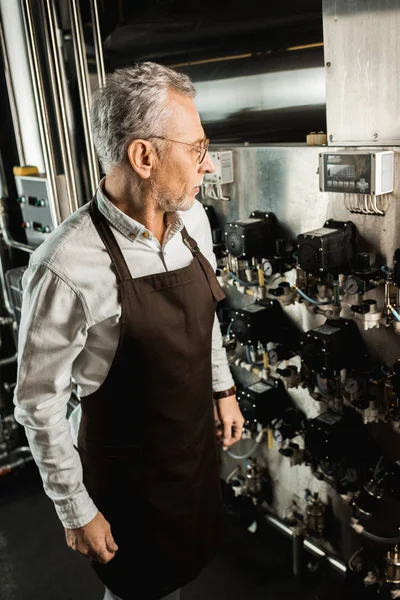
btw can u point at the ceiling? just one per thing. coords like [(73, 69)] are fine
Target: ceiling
[(177, 31)]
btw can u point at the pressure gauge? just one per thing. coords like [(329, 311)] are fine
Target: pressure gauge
[(351, 286), (278, 437), (351, 385), (267, 268), (273, 356)]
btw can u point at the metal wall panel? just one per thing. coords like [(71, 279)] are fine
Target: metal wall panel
[(362, 46)]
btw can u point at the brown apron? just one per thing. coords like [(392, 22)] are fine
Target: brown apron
[(147, 437)]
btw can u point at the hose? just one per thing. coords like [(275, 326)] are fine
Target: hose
[(241, 457), (394, 312), (379, 539), (323, 391), (378, 464), (315, 302), (245, 283), (248, 357)]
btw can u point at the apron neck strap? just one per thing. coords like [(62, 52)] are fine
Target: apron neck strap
[(110, 242), (189, 242), (216, 289)]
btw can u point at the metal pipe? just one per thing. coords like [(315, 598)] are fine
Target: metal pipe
[(6, 236), (98, 45), (337, 563), (84, 91), (6, 300), (40, 101), (9, 360), (54, 60), (11, 97), (61, 38)]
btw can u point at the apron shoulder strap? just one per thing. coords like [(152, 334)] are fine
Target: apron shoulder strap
[(110, 242), (216, 289)]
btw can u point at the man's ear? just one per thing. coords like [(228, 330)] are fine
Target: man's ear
[(142, 157)]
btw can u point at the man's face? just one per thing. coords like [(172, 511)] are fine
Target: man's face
[(177, 178)]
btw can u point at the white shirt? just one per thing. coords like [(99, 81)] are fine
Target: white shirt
[(69, 332)]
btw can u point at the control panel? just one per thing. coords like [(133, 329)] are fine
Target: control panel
[(223, 163), (369, 173), (33, 200)]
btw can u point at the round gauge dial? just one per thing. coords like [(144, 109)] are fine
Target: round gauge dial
[(278, 437), (273, 356), (351, 286), (351, 385), (267, 268)]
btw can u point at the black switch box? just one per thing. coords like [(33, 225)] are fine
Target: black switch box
[(332, 248), (335, 345), (253, 237), (265, 321)]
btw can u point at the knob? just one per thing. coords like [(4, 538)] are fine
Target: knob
[(363, 262)]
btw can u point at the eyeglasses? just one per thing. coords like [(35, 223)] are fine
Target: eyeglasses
[(201, 150)]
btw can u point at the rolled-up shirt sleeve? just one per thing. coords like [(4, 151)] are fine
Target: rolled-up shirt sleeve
[(52, 333), (221, 373)]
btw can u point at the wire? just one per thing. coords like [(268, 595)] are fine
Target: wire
[(315, 302), (245, 283), (248, 357), (378, 464), (269, 283), (324, 471), (232, 474), (323, 390), (350, 561), (379, 539), (240, 457)]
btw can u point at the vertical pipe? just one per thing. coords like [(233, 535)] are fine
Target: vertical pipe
[(40, 101), (60, 105), (11, 96), (98, 46), (84, 91)]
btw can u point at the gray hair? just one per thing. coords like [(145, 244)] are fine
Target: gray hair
[(132, 105)]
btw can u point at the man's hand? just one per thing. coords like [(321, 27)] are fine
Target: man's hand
[(94, 540), (230, 419)]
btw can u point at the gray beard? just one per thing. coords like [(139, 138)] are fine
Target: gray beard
[(168, 203)]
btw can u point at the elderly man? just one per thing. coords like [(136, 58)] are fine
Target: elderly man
[(121, 298)]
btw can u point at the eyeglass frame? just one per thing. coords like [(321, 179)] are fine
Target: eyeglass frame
[(199, 148)]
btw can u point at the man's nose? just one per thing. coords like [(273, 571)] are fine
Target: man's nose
[(207, 166)]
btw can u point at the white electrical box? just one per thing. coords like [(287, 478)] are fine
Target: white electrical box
[(223, 168), (369, 173)]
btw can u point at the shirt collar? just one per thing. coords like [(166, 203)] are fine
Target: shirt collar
[(130, 228)]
